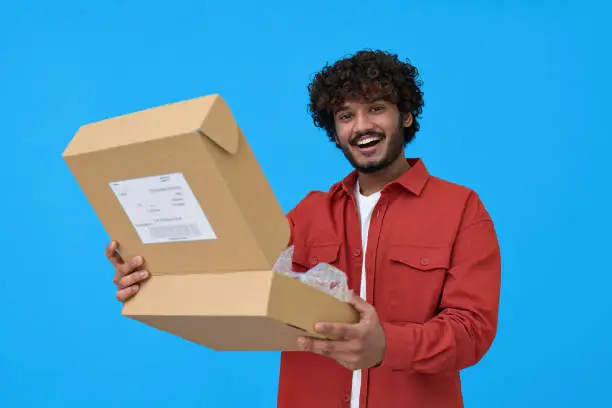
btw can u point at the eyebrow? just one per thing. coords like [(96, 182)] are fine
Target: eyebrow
[(340, 109)]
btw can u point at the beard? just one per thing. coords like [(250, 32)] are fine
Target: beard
[(395, 148)]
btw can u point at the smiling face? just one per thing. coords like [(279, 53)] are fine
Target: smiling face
[(371, 134), (369, 104)]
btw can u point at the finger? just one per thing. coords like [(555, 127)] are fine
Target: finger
[(337, 330), (323, 347), (124, 295), (132, 278), (330, 348), (304, 343), (127, 268), (360, 304), (309, 344), (113, 255)]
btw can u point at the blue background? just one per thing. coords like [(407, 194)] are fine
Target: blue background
[(517, 96)]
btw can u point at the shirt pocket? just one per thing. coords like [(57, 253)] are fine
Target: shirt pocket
[(413, 281), (306, 256)]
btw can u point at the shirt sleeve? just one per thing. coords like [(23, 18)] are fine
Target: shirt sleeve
[(295, 217), (464, 330), (291, 222)]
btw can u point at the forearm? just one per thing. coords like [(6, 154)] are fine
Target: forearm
[(464, 330), (451, 341)]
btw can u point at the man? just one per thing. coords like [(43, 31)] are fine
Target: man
[(421, 252)]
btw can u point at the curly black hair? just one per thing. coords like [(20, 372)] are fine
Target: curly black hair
[(366, 75)]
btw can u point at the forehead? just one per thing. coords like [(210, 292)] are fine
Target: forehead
[(361, 103)]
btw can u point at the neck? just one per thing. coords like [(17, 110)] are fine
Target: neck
[(370, 183)]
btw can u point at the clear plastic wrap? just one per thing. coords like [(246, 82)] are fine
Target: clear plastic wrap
[(323, 276)]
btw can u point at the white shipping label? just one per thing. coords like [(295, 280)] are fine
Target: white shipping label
[(163, 209)]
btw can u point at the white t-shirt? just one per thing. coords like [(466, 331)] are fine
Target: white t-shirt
[(365, 205)]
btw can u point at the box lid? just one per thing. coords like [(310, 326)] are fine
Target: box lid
[(209, 115)]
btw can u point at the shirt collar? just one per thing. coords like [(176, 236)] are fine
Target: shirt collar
[(413, 180)]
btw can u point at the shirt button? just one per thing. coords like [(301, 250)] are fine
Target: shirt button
[(424, 261), (314, 260), (357, 252), (347, 398)]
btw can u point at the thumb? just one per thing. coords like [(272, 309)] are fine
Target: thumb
[(359, 304)]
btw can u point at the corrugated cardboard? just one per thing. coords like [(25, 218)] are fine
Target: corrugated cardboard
[(180, 186)]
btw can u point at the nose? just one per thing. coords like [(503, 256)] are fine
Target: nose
[(362, 124)]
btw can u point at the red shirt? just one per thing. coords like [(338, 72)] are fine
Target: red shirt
[(433, 275)]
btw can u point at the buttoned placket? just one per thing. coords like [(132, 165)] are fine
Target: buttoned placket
[(373, 242), (353, 233), (371, 271)]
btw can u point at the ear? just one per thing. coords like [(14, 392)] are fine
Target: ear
[(408, 120)]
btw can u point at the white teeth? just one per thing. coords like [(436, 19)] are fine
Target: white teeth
[(366, 140)]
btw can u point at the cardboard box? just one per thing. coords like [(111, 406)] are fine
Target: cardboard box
[(180, 186)]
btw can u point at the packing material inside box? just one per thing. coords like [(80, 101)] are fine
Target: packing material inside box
[(179, 185)]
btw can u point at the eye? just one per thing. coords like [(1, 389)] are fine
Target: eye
[(344, 116), (378, 108)]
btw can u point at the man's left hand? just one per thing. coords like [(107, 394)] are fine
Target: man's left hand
[(358, 346)]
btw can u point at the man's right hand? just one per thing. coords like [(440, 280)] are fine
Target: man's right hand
[(128, 274)]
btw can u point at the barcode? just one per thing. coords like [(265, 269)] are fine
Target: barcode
[(174, 232)]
